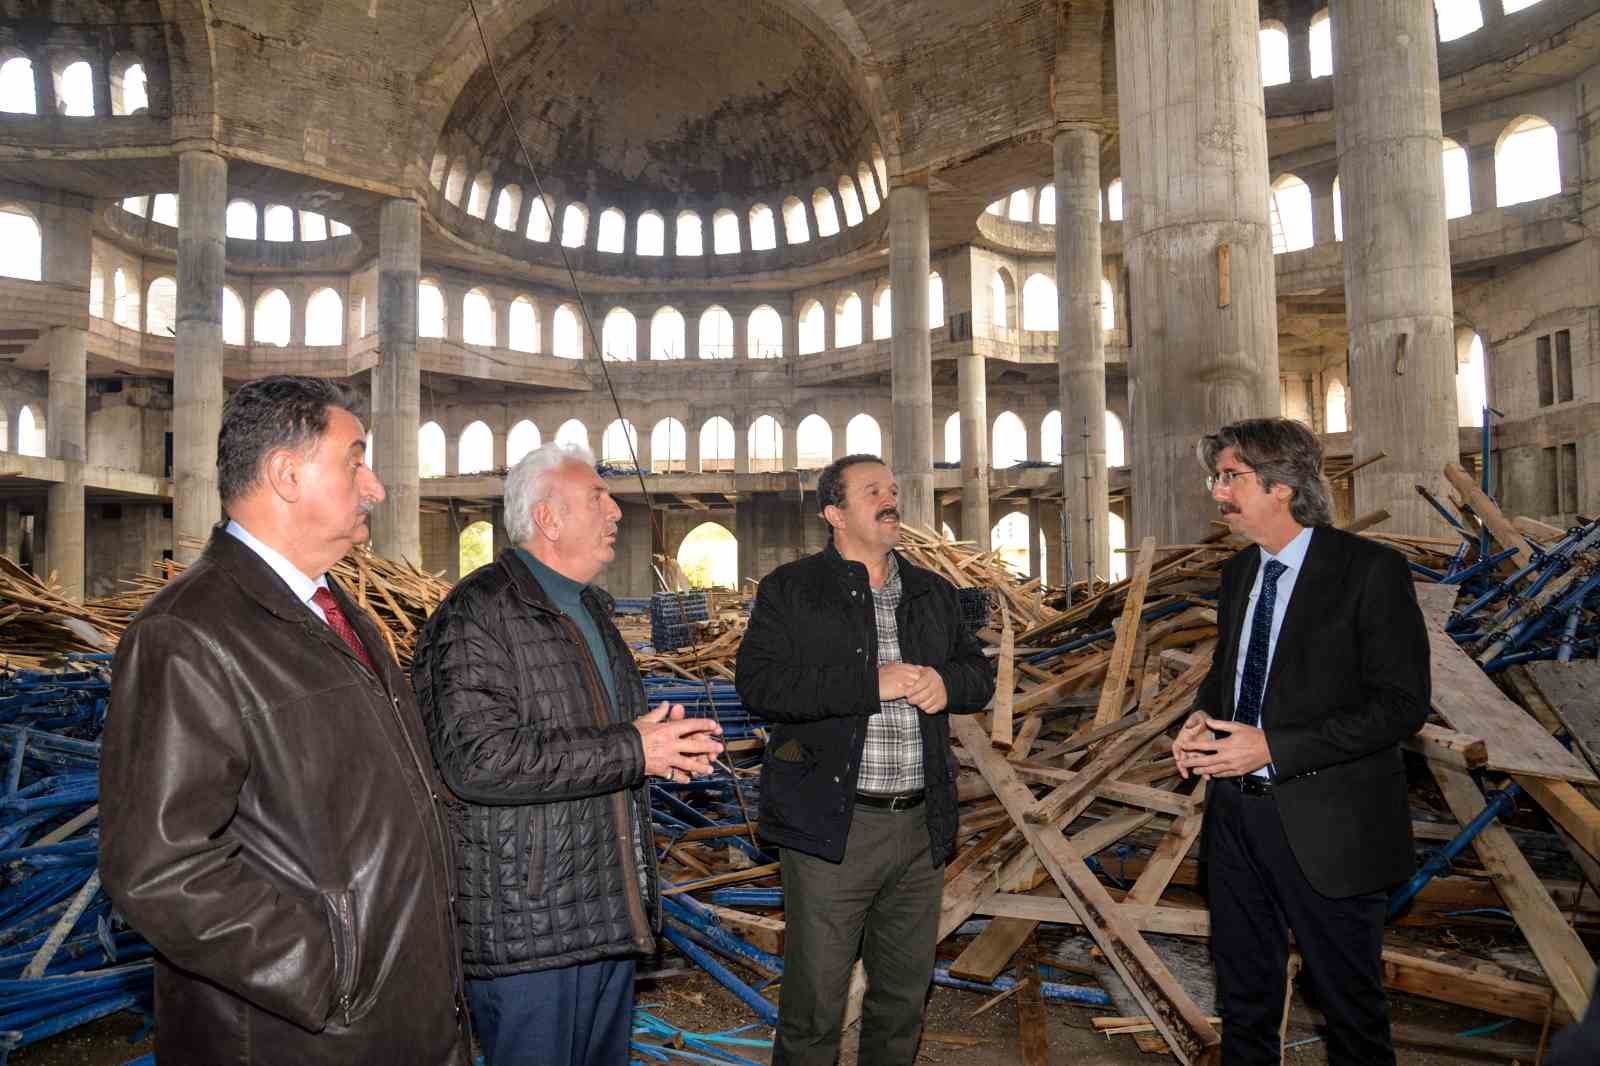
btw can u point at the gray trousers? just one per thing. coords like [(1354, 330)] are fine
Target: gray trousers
[(881, 903)]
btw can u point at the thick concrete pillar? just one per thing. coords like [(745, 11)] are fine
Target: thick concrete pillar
[(1199, 245), (66, 439), (973, 389), (197, 363), (397, 384), (1035, 563), (1396, 255), (1082, 355), (911, 367)]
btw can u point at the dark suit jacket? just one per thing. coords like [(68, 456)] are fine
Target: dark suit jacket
[(1349, 681)]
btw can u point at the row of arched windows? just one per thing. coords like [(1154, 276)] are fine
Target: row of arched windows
[(1039, 308), (847, 204), (269, 322), (1039, 205), (75, 90), (277, 223)]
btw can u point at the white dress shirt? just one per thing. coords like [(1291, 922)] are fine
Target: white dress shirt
[(303, 587), (1293, 557)]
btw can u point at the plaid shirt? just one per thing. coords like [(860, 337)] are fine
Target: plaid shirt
[(891, 759)]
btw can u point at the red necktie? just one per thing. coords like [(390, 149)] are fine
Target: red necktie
[(341, 625)]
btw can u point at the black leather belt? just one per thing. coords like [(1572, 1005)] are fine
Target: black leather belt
[(899, 801), (1251, 785)]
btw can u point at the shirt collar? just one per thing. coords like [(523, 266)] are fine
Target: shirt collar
[(556, 584), (302, 586), (1293, 554)]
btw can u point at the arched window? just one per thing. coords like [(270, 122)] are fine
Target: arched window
[(76, 90), (1526, 163), (689, 240), (1457, 18), (611, 235), (935, 301), (998, 208), (241, 220), (97, 289), (1291, 215), (1050, 438), (1108, 305), (539, 224), (847, 197), (763, 233), (882, 315), (709, 557), (1009, 538), (1002, 299), (164, 209), (666, 334), (475, 453), (1274, 53), (847, 322), (813, 443), (31, 432), (1047, 206), (232, 317), (507, 206), (650, 237), (478, 195), (669, 446), (869, 188), (124, 299), (475, 547), (161, 308), (278, 223), (880, 167), (136, 205), (523, 326), (436, 172), (477, 319), (716, 446), (21, 244), (764, 333), (1019, 208), (1338, 209), (430, 310), (813, 327), (1337, 419), (455, 186), (135, 92), (324, 318), (573, 432), (313, 227), (430, 450), (725, 232), (1114, 200), (1471, 380), (1008, 442), (1117, 535), (827, 218), (862, 436), (952, 438), (1457, 180), (619, 336), (272, 318), (1116, 442), (619, 444), (574, 226), (1321, 44), (766, 445), (1039, 303), (565, 341), (523, 438), (795, 228), (16, 87), (716, 334)]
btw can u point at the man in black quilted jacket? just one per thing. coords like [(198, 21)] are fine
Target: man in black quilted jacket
[(855, 656), (537, 719)]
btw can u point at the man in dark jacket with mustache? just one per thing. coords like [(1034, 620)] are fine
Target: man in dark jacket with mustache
[(855, 656)]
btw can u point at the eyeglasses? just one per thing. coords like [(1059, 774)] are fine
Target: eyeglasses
[(1225, 478)]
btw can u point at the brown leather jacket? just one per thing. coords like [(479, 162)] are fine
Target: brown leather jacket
[(272, 825)]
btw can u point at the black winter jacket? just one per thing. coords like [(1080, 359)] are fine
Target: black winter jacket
[(809, 666), (544, 828)]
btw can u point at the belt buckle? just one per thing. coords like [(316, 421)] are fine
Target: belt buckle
[(900, 803)]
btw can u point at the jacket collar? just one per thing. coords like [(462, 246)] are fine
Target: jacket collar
[(913, 579), (254, 576)]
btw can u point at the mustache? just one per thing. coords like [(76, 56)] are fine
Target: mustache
[(1228, 508), (888, 512)]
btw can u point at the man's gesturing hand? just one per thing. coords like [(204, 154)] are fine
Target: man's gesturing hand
[(895, 680), (927, 693), (675, 745), (1242, 749)]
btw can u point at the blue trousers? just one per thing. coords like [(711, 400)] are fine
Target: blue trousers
[(573, 1016)]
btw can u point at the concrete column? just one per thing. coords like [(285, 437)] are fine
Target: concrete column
[(691, 444), (397, 383), (1035, 564), (197, 363), (911, 367), (1481, 182), (1396, 255), (1299, 30), (66, 439), (1199, 247), (1082, 355), (741, 455), (973, 391), (691, 333), (641, 337)]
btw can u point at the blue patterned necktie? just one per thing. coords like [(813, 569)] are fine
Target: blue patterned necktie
[(1248, 712)]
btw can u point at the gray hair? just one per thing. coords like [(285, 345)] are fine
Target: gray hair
[(1281, 451), (529, 483)]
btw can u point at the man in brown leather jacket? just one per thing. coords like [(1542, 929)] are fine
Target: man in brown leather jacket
[(272, 822)]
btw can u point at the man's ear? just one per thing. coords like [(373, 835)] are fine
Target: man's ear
[(281, 471), (546, 520), (833, 516)]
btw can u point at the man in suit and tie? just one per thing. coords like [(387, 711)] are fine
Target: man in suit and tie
[(1320, 672)]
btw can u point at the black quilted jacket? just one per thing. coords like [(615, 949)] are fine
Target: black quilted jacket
[(544, 826)]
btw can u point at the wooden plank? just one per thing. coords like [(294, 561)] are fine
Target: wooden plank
[(1033, 1027), (1466, 698), (1154, 799), (1005, 685), (764, 932), (1127, 636), (991, 950), (1173, 921), (736, 877), (1573, 691), (1489, 514), (1176, 1015), (1167, 856), (1446, 983), (1565, 960), (1026, 735), (1568, 808), (1449, 747), (1081, 673)]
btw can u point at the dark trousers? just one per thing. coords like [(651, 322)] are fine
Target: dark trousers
[(881, 902), (1258, 895), (573, 1016)]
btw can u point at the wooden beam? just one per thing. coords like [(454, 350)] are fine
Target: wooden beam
[(1568, 808), (1489, 514), (991, 950), (1171, 852), (1005, 684), (1033, 1027), (1127, 636), (1449, 747)]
